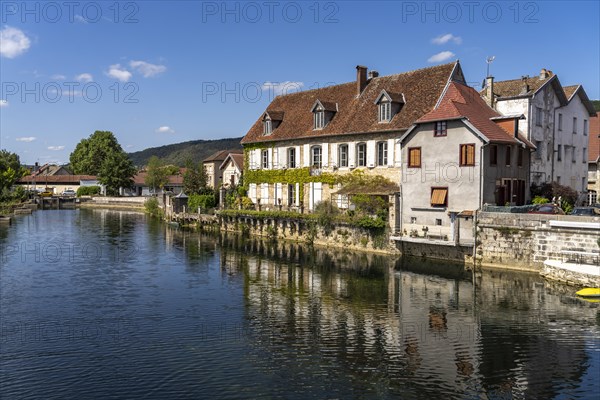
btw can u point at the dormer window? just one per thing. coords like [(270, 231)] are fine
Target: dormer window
[(271, 120), (388, 105), (323, 112)]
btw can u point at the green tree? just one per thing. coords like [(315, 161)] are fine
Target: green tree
[(102, 155), (194, 178), (156, 176), (10, 170)]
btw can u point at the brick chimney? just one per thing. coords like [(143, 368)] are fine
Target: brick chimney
[(544, 74), (524, 85), (489, 90), (361, 79)]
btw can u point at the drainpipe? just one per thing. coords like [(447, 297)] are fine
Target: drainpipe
[(480, 204), (553, 144)]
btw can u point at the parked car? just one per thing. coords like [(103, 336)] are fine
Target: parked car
[(69, 193), (47, 193), (586, 211), (546, 209)]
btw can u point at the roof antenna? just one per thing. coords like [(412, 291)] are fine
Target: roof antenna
[(489, 60)]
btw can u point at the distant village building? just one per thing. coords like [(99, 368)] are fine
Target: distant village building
[(594, 161), (140, 188), (302, 137), (556, 121), (460, 156), (212, 164)]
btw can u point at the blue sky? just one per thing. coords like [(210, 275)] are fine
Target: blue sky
[(157, 72)]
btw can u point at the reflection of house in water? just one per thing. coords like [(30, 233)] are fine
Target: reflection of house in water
[(413, 331)]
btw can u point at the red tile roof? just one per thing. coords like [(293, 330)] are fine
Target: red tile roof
[(594, 151), (56, 179), (221, 155), (461, 101), (140, 179), (357, 114)]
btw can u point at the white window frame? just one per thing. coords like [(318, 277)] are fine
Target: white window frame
[(382, 153), (361, 152), (267, 127), (385, 111), (343, 154), (319, 118), (265, 159), (316, 157), (291, 194), (291, 153)]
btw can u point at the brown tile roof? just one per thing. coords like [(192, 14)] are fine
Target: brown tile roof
[(140, 179), (461, 101), (238, 159), (221, 155), (56, 179), (421, 88), (515, 87), (594, 150), (570, 90)]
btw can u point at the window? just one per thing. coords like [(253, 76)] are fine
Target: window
[(413, 220), (585, 154), (585, 127), (538, 116), (574, 125), (467, 155), (267, 127), (538, 149), (291, 194), (439, 197), (319, 118), (559, 153), (558, 179), (520, 157), (583, 185), (382, 153), (385, 111), (592, 197), (560, 122), (291, 155), (574, 154), (508, 151), (441, 128), (438, 221), (494, 155), (343, 156), (414, 157), (316, 156), (361, 154), (265, 159)]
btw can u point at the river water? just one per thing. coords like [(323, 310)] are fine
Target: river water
[(102, 304)]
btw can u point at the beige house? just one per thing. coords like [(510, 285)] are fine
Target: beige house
[(232, 169), (594, 161), (458, 157), (304, 139), (212, 165)]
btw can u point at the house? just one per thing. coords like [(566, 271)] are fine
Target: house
[(304, 140), (556, 122), (594, 161), (457, 157), (49, 170), (174, 184), (231, 169), (56, 183), (212, 166)]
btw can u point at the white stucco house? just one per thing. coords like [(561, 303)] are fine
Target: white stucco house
[(556, 122)]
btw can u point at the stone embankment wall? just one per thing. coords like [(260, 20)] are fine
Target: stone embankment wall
[(525, 241), (113, 202), (308, 231)]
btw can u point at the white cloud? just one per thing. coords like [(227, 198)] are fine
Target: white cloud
[(442, 56), (146, 69), (117, 72), (85, 78), (13, 42), (56, 148), (165, 129), (3, 103), (443, 39), (26, 139), (280, 88)]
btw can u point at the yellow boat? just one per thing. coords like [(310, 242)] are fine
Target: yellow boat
[(589, 292)]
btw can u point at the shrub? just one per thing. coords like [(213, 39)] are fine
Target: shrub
[(152, 208), (540, 200), (325, 213), (88, 191), (204, 201)]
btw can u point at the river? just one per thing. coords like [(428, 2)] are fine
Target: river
[(99, 304)]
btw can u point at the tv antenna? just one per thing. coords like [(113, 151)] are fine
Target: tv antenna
[(489, 60)]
